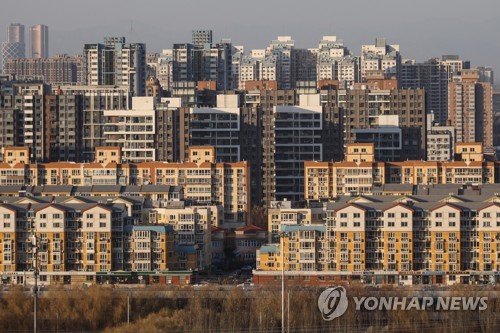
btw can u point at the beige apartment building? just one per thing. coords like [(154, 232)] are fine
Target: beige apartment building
[(427, 237), (470, 108), (86, 237), (203, 180), (360, 174)]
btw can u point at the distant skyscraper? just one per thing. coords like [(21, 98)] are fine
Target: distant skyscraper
[(201, 37), (16, 33), (39, 41), (14, 47)]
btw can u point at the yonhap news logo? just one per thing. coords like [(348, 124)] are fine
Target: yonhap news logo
[(333, 303)]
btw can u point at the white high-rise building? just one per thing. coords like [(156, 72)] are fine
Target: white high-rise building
[(440, 140), (39, 41), (133, 130), (380, 56), (164, 69), (335, 62), (282, 49)]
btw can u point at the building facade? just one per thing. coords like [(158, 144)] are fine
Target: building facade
[(39, 41), (14, 47), (360, 174), (60, 69), (402, 239), (115, 63)]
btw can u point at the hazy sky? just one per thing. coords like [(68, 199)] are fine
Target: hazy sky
[(422, 28)]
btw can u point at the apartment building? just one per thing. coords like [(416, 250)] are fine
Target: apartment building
[(282, 49), (63, 125), (225, 184), (115, 63), (218, 127), (281, 213), (25, 104), (70, 236), (248, 240), (86, 239), (297, 138), (362, 107), (380, 56), (426, 237), (59, 69), (148, 248), (496, 117), (440, 140), (360, 174), (171, 135), (132, 130), (470, 108), (164, 69), (204, 61), (96, 99)]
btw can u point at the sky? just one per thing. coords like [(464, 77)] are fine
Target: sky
[(422, 28)]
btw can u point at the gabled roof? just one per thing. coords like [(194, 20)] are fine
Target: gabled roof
[(97, 205), (42, 207), (249, 229), (488, 205), (214, 229), (361, 198), (452, 198), (9, 207), (399, 204), (351, 205), (445, 204)]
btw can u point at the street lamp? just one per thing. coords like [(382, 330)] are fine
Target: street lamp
[(34, 248), (282, 241)]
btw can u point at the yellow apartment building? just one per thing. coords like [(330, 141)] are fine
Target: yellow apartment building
[(409, 239), (203, 181), (359, 174)]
